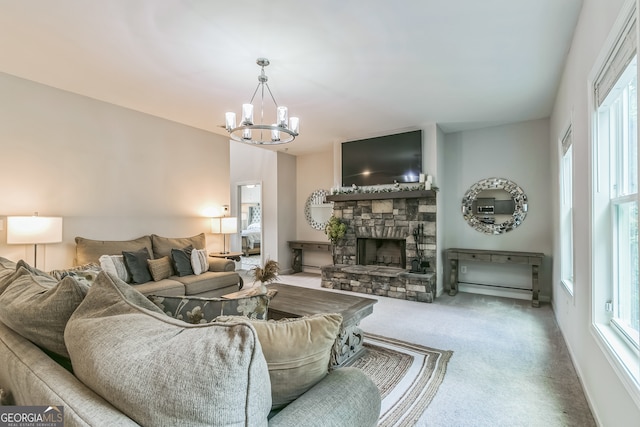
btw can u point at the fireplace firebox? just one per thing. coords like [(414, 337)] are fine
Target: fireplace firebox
[(383, 252)]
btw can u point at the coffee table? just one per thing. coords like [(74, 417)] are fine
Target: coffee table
[(296, 301)]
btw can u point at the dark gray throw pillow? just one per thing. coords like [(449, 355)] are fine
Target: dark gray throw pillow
[(182, 261), (136, 263)]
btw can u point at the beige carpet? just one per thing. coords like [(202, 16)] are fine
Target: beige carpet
[(407, 375)]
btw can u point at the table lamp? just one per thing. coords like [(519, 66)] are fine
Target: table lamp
[(224, 225)]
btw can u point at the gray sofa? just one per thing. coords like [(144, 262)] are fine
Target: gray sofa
[(220, 279), (133, 365)]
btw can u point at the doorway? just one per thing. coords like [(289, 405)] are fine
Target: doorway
[(250, 218)]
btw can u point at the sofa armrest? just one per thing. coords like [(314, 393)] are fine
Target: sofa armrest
[(221, 264), (346, 397)]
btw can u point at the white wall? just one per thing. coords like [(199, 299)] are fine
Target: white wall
[(314, 172), (518, 152), (611, 402), (110, 172)]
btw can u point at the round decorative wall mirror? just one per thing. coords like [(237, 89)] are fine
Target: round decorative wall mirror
[(317, 210), (494, 205)]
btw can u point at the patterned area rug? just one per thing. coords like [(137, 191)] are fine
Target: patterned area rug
[(407, 375)]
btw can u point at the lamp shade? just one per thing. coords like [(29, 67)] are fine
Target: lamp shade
[(33, 230), (224, 225)]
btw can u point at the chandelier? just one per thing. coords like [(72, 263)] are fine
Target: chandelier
[(284, 130)]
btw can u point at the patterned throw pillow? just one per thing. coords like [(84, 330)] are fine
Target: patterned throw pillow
[(199, 261), (114, 264), (160, 268), (86, 273), (205, 310)]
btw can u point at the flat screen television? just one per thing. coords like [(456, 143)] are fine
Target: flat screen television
[(382, 160)]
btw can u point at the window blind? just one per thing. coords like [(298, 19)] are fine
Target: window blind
[(567, 140), (620, 57)]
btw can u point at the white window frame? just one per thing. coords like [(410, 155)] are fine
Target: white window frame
[(566, 211), (624, 358)]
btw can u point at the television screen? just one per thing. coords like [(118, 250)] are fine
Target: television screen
[(382, 160)]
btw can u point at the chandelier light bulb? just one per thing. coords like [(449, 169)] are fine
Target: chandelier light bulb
[(247, 114), (283, 117), (294, 125), (230, 120)]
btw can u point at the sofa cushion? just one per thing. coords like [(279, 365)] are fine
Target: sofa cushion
[(164, 287), (160, 268), (207, 281), (136, 263), (199, 261), (162, 371), (297, 350), (114, 264), (38, 308), (181, 259), (162, 245), (88, 250), (204, 310)]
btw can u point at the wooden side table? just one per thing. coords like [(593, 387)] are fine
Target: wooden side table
[(234, 256)]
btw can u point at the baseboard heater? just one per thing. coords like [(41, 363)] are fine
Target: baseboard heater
[(496, 286)]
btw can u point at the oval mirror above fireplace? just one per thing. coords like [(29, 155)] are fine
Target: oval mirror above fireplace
[(494, 205), (317, 210)]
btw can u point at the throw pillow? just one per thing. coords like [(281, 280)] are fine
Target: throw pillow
[(160, 268), (38, 308), (33, 270), (182, 261), (130, 353), (83, 273), (204, 310), (7, 268), (136, 263), (199, 261), (298, 352), (114, 264)]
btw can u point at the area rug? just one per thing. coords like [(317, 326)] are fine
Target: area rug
[(407, 375)]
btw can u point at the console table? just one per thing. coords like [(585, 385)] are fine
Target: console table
[(297, 246), (534, 259)]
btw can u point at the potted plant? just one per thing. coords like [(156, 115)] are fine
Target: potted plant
[(266, 274), (335, 231)]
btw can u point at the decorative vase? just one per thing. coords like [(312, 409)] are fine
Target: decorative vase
[(263, 288)]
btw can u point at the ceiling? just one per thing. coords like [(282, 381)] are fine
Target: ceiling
[(350, 69)]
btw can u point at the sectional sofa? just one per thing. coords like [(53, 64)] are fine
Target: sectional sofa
[(106, 355)]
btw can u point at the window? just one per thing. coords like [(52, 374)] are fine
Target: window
[(615, 257), (566, 212)]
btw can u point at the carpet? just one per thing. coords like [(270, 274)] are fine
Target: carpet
[(407, 375)]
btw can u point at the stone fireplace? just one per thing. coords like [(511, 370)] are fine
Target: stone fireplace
[(387, 235)]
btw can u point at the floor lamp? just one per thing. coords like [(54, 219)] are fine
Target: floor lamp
[(224, 225), (34, 230)]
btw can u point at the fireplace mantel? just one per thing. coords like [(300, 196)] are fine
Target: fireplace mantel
[(383, 195)]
